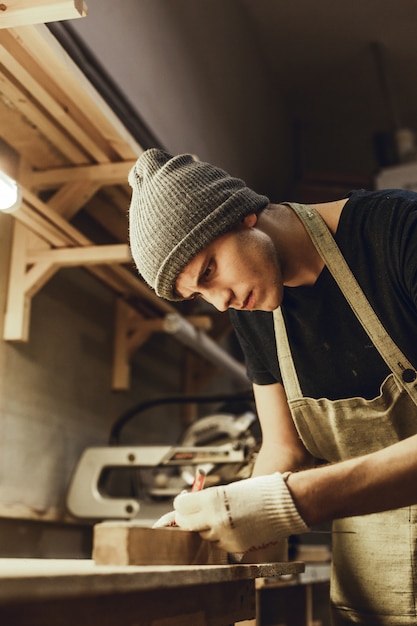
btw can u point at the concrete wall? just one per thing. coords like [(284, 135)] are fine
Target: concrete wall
[(56, 398), (195, 72)]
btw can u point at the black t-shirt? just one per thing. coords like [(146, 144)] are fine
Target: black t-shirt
[(333, 355)]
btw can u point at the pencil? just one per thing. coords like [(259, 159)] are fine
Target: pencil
[(199, 480)]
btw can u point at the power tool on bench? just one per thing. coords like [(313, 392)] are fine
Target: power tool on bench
[(224, 445)]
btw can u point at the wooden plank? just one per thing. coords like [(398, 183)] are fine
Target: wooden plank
[(103, 173), (26, 140), (41, 227), (17, 60), (19, 12), (51, 89), (77, 94), (37, 276), (46, 126), (85, 255), (139, 331), (16, 319), (61, 225), (129, 543), (35, 243), (72, 197)]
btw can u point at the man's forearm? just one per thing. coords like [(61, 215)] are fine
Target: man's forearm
[(273, 459), (376, 482)]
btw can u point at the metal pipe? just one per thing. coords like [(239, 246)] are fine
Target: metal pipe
[(199, 341)]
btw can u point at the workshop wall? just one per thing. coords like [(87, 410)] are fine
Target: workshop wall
[(55, 390), (196, 74), (56, 399)]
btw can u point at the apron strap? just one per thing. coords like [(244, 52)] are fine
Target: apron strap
[(326, 246), (285, 360)]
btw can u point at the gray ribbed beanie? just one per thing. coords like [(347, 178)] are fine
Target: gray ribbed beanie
[(178, 207)]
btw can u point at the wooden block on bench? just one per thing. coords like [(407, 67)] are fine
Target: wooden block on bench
[(129, 543)]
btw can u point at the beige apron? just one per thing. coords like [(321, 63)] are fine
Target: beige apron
[(374, 571)]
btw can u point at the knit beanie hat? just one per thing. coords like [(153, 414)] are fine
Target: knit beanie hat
[(178, 207)]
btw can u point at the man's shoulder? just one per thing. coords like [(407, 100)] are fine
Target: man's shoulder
[(382, 200)]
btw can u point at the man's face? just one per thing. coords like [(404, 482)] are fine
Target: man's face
[(239, 270)]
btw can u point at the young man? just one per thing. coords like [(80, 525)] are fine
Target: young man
[(327, 386)]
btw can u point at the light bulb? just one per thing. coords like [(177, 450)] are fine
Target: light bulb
[(10, 194)]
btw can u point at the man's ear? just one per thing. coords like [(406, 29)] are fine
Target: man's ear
[(250, 220)]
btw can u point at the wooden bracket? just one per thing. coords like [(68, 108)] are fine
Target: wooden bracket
[(16, 321), (33, 262), (131, 332), (43, 242)]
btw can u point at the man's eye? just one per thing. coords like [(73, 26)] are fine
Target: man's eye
[(207, 272)]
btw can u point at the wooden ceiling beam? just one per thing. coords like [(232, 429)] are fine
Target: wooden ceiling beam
[(71, 198), (84, 255), (22, 12), (18, 99), (12, 57), (69, 85), (104, 173), (26, 140)]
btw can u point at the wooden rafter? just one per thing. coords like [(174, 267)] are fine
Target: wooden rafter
[(103, 173), (88, 255), (131, 332), (72, 197)]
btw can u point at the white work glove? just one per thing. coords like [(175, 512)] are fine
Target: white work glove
[(242, 517)]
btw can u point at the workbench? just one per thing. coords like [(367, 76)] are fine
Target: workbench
[(49, 592)]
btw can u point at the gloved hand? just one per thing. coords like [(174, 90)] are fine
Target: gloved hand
[(242, 517)]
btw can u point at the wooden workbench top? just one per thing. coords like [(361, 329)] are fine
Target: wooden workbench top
[(27, 579)]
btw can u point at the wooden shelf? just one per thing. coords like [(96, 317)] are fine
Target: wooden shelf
[(72, 156)]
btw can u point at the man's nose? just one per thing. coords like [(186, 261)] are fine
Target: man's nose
[(219, 298)]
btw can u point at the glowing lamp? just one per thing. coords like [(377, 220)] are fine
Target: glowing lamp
[(10, 194)]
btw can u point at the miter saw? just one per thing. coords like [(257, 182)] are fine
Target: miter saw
[(224, 445)]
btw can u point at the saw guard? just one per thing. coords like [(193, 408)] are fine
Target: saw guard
[(84, 497)]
